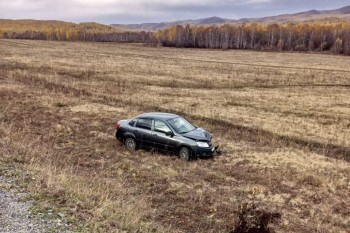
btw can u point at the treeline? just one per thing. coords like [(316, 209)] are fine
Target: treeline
[(82, 35), (312, 36), (288, 37), (63, 31)]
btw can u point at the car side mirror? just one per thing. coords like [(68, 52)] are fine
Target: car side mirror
[(169, 133)]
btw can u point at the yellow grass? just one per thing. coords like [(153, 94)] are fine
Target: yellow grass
[(283, 121)]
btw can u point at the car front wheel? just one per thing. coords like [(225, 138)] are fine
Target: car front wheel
[(130, 143), (185, 153)]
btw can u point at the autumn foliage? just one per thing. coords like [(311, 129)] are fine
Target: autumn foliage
[(63, 31), (306, 36), (287, 37)]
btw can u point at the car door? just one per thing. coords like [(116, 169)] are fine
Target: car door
[(143, 132), (162, 141)]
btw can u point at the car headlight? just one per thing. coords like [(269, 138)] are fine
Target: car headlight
[(203, 144)]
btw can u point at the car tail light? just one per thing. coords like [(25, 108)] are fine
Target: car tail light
[(117, 126)]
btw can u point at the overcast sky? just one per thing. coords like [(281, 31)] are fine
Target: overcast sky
[(141, 11)]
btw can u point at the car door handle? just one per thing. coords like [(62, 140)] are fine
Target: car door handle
[(155, 135)]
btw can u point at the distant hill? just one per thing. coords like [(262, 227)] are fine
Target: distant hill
[(40, 25), (158, 26), (337, 15), (53, 30), (312, 15)]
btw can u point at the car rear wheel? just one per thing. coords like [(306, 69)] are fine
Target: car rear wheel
[(130, 143), (185, 153)]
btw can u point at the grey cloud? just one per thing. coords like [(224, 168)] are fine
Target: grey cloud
[(137, 11)]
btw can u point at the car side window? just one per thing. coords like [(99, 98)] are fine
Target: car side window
[(144, 124), (160, 126)]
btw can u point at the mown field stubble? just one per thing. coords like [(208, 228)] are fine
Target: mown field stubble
[(282, 120)]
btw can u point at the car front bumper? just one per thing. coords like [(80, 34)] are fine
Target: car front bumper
[(206, 152)]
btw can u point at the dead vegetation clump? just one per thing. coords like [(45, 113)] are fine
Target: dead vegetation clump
[(252, 219)]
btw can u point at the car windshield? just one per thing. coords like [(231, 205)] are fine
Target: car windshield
[(180, 125)]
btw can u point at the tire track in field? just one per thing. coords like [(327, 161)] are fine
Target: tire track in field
[(244, 133), (184, 85), (19, 43), (265, 137), (196, 60), (225, 62)]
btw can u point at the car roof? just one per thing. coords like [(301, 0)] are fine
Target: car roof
[(158, 115)]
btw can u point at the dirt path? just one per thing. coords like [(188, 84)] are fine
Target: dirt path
[(16, 215)]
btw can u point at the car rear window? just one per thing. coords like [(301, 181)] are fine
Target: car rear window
[(132, 122), (144, 124)]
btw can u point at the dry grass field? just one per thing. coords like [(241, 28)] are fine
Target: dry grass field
[(282, 120)]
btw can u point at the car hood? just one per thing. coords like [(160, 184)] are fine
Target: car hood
[(198, 134)]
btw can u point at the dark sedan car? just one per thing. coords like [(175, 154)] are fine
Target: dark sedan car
[(166, 132)]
